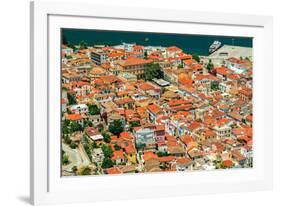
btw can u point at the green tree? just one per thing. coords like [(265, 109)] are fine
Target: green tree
[(106, 137), (107, 163), (75, 126), (107, 151), (88, 150), (65, 159), (71, 99), (85, 171), (180, 66), (196, 57), (100, 127), (162, 154), (83, 45), (94, 145), (74, 169), (210, 66), (215, 85), (145, 55), (133, 124), (66, 139), (152, 71), (116, 127), (93, 109), (73, 145), (88, 123), (65, 129), (117, 147), (66, 122)]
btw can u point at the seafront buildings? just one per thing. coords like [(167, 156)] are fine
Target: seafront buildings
[(132, 109)]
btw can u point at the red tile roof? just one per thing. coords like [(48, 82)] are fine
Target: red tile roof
[(227, 163), (138, 47), (117, 155), (173, 48), (194, 125), (132, 61), (183, 160), (149, 155), (113, 170), (223, 70), (74, 117), (146, 86), (154, 108), (115, 54), (186, 139), (166, 158), (126, 135)]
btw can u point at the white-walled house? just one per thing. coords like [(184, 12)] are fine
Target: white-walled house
[(79, 108)]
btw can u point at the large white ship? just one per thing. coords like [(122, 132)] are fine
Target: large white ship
[(215, 46)]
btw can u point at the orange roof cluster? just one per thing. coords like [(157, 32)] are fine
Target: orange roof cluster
[(146, 86), (186, 139), (227, 163), (194, 125), (184, 56), (206, 76), (238, 61), (132, 61), (246, 91), (154, 108), (173, 48), (124, 101), (223, 71), (109, 79), (111, 55), (79, 83), (74, 117), (129, 147), (223, 121), (166, 158), (126, 135), (170, 138), (184, 79), (160, 127), (183, 160), (249, 118), (138, 47), (117, 155), (113, 171), (149, 155), (209, 133), (177, 102)]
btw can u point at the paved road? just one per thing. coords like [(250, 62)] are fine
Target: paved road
[(83, 154), (74, 157)]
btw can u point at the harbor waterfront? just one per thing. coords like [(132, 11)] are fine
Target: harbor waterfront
[(191, 43), (136, 102)]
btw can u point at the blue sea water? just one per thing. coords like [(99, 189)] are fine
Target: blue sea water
[(198, 44)]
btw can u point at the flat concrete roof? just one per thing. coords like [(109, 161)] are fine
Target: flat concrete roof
[(232, 51)]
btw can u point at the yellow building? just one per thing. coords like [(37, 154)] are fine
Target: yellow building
[(133, 65)]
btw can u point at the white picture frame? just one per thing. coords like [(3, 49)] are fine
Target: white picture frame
[(47, 186)]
